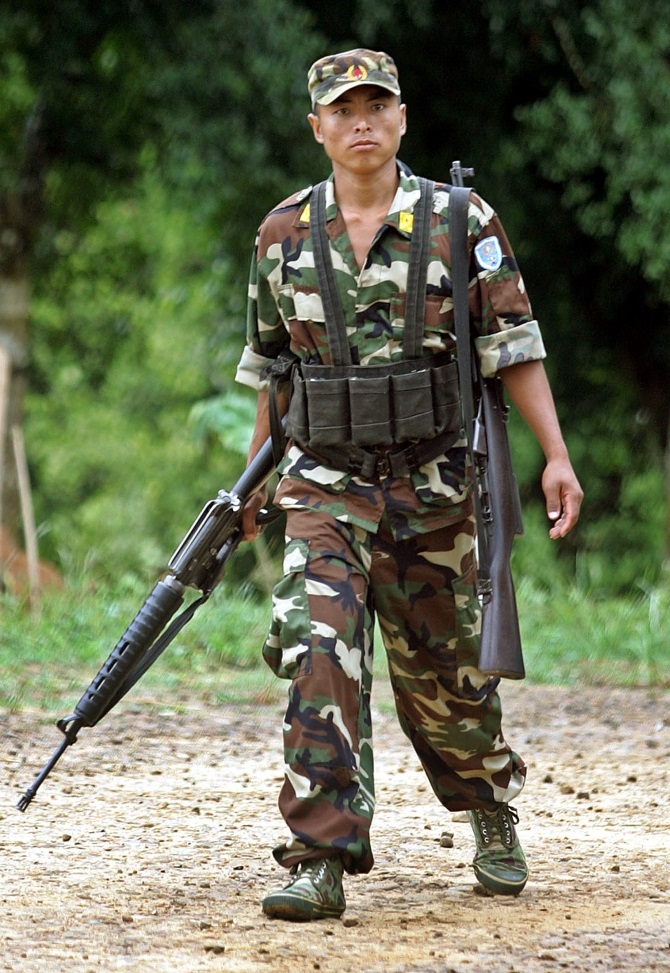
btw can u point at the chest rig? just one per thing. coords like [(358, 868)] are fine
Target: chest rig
[(375, 420)]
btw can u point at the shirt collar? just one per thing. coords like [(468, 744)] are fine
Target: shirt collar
[(400, 215)]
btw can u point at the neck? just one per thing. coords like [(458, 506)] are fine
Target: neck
[(366, 191)]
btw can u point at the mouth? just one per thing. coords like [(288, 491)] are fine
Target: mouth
[(364, 144)]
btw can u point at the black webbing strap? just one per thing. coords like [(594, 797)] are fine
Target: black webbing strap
[(416, 275), (415, 300), (371, 464), (332, 306), (459, 197)]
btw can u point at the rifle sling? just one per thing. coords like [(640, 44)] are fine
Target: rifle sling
[(459, 197)]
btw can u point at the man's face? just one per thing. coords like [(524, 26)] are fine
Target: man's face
[(361, 130)]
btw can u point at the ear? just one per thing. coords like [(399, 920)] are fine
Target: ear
[(315, 123), (403, 119)]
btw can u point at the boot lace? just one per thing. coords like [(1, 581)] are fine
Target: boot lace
[(499, 823)]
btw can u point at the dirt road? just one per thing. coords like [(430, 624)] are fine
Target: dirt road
[(149, 848)]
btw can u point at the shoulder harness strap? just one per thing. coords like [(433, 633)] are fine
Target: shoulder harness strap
[(416, 275)]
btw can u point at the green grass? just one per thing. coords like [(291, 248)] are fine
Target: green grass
[(570, 637), (48, 659)]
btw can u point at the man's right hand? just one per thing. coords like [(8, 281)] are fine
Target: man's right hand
[(250, 529)]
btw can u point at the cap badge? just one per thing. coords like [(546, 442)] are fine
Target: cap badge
[(357, 72)]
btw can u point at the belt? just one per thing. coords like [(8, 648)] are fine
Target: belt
[(377, 462)]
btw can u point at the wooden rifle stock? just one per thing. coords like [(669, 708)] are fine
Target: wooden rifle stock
[(500, 652)]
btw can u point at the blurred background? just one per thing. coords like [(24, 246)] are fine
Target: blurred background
[(141, 143)]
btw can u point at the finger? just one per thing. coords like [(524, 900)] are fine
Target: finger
[(554, 505), (250, 528), (568, 517)]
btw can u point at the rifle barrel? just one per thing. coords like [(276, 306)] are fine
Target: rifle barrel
[(42, 776)]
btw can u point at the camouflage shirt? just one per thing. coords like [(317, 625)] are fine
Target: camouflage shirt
[(285, 311)]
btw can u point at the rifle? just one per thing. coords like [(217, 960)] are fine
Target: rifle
[(497, 502), (198, 562)]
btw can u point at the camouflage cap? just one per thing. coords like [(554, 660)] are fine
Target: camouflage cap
[(331, 76)]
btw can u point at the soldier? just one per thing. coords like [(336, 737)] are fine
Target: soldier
[(377, 487)]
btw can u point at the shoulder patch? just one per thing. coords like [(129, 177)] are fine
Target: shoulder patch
[(488, 254), (303, 194)]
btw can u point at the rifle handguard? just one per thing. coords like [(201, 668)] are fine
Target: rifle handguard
[(199, 562)]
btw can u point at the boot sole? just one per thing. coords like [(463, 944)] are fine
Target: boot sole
[(297, 909), (497, 885)]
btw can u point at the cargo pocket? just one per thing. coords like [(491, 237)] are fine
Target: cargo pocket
[(287, 646), (472, 684)]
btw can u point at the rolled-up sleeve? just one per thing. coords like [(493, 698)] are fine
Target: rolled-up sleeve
[(266, 334), (512, 346), (505, 330), (250, 367)]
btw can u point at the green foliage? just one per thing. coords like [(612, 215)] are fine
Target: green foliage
[(62, 650), (234, 128), (620, 540), (87, 68), (614, 132), (123, 348), (138, 318), (16, 104), (568, 638), (571, 637)]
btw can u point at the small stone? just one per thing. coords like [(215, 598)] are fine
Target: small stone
[(349, 923), (446, 840), (583, 796), (216, 948)]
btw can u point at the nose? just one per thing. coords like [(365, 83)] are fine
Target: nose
[(362, 122)]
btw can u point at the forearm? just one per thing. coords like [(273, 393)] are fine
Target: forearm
[(262, 425), (258, 439), (529, 391)]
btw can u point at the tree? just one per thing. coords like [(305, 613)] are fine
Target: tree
[(138, 309), (598, 130), (77, 103), (562, 108)]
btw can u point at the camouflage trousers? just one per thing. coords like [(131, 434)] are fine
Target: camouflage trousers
[(423, 591)]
